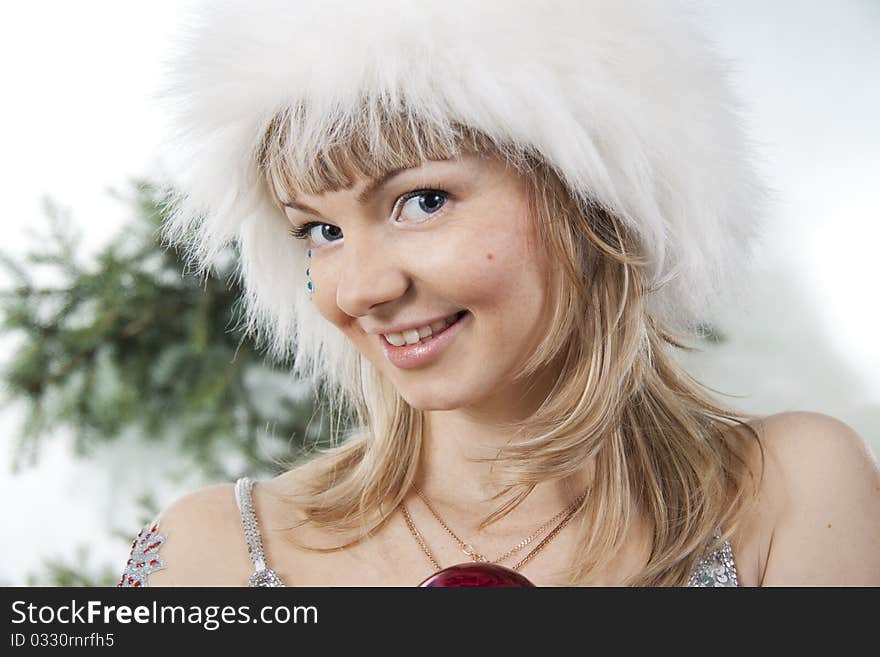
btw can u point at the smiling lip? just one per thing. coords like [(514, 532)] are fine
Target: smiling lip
[(426, 351)]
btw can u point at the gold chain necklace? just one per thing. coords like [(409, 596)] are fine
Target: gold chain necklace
[(568, 514), (468, 549)]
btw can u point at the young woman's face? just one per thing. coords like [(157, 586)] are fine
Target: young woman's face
[(446, 238)]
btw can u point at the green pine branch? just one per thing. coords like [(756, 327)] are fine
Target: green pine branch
[(131, 342)]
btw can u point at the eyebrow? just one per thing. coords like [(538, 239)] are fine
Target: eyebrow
[(372, 187)]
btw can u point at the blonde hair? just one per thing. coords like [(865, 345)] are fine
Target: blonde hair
[(662, 446)]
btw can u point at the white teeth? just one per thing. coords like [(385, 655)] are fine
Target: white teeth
[(396, 339), (413, 336)]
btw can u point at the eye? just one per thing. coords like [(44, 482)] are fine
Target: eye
[(316, 231), (417, 206)]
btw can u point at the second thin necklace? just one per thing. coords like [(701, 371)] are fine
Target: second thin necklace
[(482, 571)]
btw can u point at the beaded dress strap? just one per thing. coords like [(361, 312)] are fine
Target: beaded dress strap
[(262, 576), (716, 569)]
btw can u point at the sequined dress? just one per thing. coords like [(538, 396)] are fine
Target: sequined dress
[(716, 569)]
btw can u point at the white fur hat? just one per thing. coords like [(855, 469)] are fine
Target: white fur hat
[(625, 98)]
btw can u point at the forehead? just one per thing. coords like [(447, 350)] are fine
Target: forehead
[(368, 187), (340, 157), (472, 166)]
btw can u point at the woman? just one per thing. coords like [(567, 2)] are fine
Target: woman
[(482, 229)]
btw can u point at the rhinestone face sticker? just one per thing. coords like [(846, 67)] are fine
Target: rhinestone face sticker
[(144, 558)]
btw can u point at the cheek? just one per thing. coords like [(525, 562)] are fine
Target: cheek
[(503, 272), (324, 294), (324, 298)]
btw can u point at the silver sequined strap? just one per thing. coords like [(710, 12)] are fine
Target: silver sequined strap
[(245, 501), (716, 569), (262, 575)]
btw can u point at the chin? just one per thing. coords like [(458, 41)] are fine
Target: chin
[(432, 400)]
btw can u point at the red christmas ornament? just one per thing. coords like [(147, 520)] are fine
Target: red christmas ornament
[(477, 574)]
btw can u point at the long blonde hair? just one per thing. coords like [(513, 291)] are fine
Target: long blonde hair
[(661, 444)]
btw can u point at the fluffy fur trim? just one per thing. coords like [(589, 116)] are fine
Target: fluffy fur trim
[(626, 98)]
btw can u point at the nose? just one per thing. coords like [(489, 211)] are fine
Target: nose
[(371, 275)]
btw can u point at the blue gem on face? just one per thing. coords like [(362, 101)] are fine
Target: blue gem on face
[(310, 286), (307, 272)]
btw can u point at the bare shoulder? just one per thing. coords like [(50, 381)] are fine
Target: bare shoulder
[(204, 544), (297, 479), (821, 490), (277, 503)]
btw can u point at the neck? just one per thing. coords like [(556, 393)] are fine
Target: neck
[(459, 483)]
